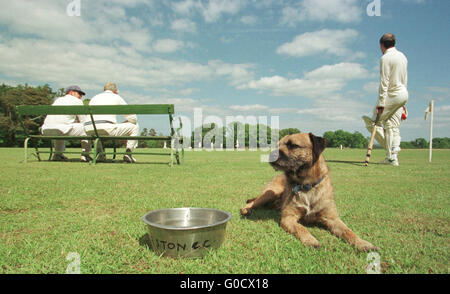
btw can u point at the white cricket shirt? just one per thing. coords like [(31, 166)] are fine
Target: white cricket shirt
[(63, 122), (393, 75), (110, 98)]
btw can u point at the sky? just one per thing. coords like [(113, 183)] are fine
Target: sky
[(312, 63)]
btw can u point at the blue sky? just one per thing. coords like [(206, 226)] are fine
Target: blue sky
[(313, 63)]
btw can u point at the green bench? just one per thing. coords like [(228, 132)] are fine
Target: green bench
[(41, 110)]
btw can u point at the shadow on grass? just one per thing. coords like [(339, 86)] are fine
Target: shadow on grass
[(275, 215), (263, 214), (145, 242), (271, 214), (357, 163), (112, 161)]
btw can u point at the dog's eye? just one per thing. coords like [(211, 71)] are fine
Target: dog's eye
[(291, 145)]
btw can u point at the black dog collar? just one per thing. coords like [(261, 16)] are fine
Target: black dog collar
[(307, 187)]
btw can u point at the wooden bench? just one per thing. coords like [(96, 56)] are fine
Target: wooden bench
[(41, 110)]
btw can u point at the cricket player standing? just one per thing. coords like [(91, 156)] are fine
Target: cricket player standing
[(394, 122), (393, 95)]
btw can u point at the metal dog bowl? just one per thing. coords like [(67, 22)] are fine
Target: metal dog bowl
[(186, 232)]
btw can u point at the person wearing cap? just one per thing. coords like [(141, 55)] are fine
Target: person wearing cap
[(393, 93), (67, 125), (107, 124)]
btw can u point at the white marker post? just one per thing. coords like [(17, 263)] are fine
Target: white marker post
[(430, 109)]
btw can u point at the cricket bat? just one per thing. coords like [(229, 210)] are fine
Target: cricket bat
[(372, 139)]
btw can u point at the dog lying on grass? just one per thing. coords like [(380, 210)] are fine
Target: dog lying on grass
[(304, 192)]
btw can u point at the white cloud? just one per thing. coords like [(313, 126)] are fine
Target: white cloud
[(337, 108), (344, 11), (415, 1), (282, 110), (43, 18), (238, 74), (280, 86), (444, 92), (215, 8), (99, 22), (324, 86), (183, 105), (168, 45), (443, 108), (211, 10), (91, 65), (254, 107), (186, 7), (249, 20), (174, 92), (290, 16), (371, 87), (343, 71), (333, 42), (184, 25), (264, 4), (324, 81)]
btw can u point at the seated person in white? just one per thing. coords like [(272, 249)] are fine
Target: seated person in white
[(67, 125), (107, 124)]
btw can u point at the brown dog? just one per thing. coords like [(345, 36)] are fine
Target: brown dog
[(304, 192)]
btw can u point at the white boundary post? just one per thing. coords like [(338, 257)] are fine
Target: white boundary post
[(431, 129)]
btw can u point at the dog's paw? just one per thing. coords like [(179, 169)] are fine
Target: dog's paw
[(365, 246), (245, 211), (310, 241)]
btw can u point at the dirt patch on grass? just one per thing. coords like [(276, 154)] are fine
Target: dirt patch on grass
[(415, 222), (7, 211)]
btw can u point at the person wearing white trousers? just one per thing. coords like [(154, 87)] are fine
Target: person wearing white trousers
[(107, 124), (393, 129), (67, 125), (393, 93)]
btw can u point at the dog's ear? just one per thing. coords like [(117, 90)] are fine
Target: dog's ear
[(319, 145)]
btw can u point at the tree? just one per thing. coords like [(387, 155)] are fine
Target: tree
[(289, 131), (441, 143), (152, 133), (156, 143), (143, 143), (151, 143), (407, 145), (62, 92), (329, 136), (204, 130), (346, 139), (11, 130), (246, 130), (421, 143), (438, 143), (358, 140)]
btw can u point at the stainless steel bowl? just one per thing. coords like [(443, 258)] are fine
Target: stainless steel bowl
[(186, 232)]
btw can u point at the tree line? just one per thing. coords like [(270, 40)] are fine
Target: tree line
[(12, 133)]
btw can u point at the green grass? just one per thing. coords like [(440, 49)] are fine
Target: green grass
[(49, 209)]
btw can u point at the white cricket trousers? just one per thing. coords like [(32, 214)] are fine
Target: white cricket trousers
[(117, 130), (388, 126), (76, 129), (394, 130)]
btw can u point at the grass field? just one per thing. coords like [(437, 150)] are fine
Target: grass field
[(49, 209)]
